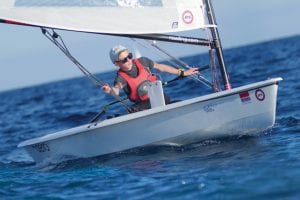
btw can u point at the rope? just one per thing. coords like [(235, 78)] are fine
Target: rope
[(62, 46), (196, 77), (178, 63), (155, 52)]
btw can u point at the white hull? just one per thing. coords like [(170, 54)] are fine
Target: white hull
[(245, 110)]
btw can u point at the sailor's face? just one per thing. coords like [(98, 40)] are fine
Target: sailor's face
[(125, 60)]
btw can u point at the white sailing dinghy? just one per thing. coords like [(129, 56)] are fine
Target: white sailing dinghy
[(248, 110)]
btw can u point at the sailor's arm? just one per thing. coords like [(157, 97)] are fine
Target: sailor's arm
[(172, 70)]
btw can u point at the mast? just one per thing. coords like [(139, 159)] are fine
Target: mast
[(217, 43)]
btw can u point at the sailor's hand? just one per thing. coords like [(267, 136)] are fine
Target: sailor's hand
[(191, 71), (106, 88)]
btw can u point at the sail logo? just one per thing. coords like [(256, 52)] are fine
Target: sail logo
[(260, 95), (245, 97), (187, 17), (175, 25)]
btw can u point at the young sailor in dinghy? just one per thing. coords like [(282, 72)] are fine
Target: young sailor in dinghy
[(133, 75)]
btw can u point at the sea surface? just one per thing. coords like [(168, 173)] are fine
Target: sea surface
[(266, 166)]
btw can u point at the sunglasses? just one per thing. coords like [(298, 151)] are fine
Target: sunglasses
[(124, 60)]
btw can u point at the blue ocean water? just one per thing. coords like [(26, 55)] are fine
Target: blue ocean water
[(260, 167)]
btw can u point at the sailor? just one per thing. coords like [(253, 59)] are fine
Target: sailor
[(133, 75)]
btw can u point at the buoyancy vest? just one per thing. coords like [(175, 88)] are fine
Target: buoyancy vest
[(135, 82)]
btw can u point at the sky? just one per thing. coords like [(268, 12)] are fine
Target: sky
[(28, 58)]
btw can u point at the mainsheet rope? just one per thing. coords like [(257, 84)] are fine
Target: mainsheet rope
[(61, 45)]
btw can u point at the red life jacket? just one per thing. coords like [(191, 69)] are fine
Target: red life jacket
[(134, 82)]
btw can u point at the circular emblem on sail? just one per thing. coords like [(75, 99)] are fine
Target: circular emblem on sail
[(187, 17), (260, 95)]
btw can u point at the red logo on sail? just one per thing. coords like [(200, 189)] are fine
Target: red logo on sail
[(245, 97), (187, 17)]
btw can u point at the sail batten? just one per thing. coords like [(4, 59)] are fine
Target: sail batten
[(110, 16)]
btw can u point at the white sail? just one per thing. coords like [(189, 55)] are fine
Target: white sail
[(107, 16)]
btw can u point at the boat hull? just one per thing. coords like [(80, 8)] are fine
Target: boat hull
[(246, 110)]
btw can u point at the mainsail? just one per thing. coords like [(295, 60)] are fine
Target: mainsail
[(107, 16)]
